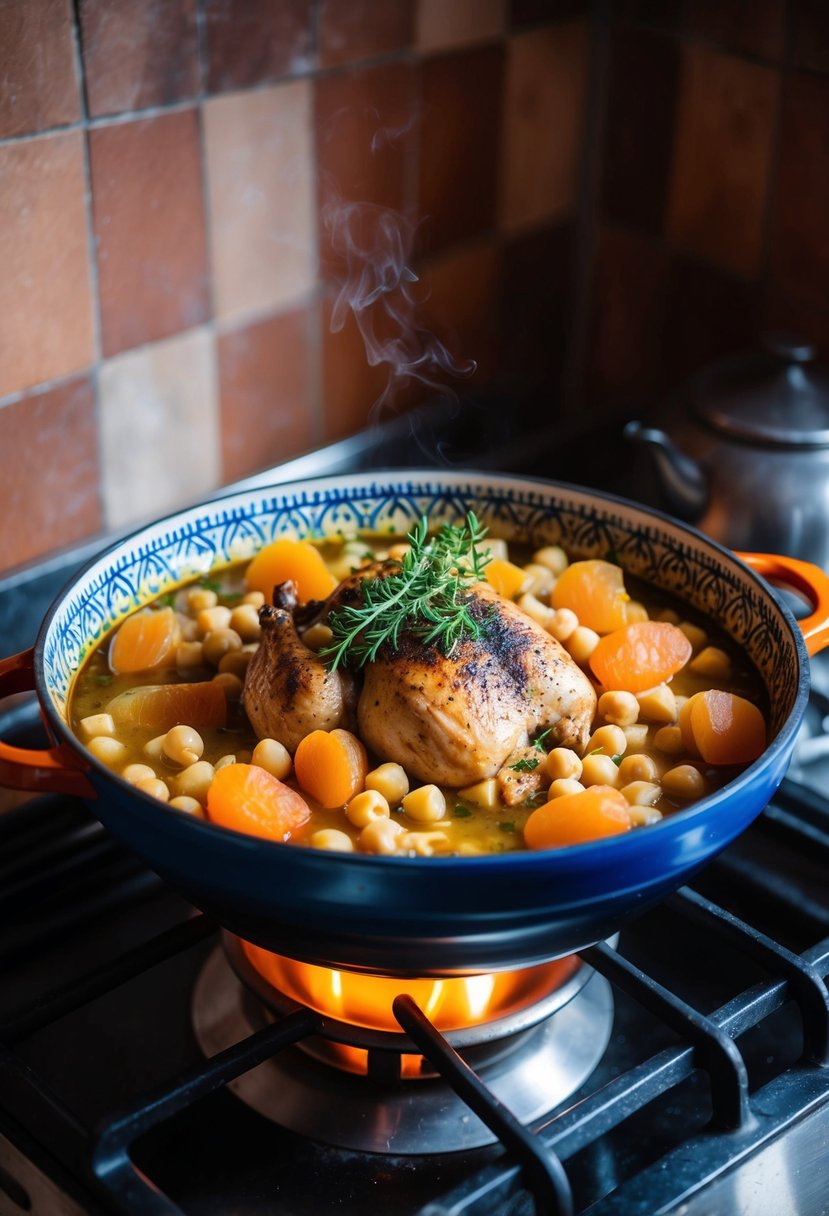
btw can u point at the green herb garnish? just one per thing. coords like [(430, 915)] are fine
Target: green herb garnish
[(426, 598), (104, 679), (538, 742), (168, 600), (525, 766), (460, 811), (507, 826), (210, 584), (617, 760)]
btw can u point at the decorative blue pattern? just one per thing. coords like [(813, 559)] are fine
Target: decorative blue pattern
[(188, 545)]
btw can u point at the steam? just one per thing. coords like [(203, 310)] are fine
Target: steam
[(373, 245)]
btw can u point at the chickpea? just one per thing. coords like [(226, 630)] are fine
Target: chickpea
[(611, 739), (381, 836), (189, 656), (155, 787), (669, 740), (366, 807), (637, 768), (564, 625), (244, 619), (231, 684), (137, 772), (154, 749), (424, 844), (109, 751), (644, 816), (182, 745), (657, 704), (273, 757), (581, 643), (97, 725), (390, 780), (187, 627), (599, 770), (562, 763), (684, 782), (218, 643), (668, 614), (194, 781), (332, 840), (257, 598), (190, 806), (210, 619), (637, 736), (234, 663), (224, 761), (426, 804), (201, 598), (495, 546), (539, 580), (565, 785), (534, 608), (553, 557), (318, 636), (642, 793), (696, 636), (482, 793), (620, 708)]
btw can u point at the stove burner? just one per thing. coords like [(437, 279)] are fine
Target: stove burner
[(531, 1067)]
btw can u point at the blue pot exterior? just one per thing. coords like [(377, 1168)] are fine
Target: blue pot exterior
[(422, 916)]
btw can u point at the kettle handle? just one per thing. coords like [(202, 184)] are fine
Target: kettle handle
[(806, 578), (52, 770)]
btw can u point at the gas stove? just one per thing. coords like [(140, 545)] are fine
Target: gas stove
[(149, 1064)]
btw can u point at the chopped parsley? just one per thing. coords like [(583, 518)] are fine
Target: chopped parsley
[(538, 742), (460, 811), (525, 766), (507, 826)]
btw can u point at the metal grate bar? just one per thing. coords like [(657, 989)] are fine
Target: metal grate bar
[(806, 986), (785, 894), (543, 1173), (715, 1050), (163, 946), (130, 1191)]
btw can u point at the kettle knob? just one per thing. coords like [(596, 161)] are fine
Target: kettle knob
[(789, 348)]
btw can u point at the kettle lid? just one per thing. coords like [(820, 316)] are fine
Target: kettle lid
[(776, 397)]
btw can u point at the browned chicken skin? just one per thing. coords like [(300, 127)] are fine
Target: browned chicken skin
[(448, 720)]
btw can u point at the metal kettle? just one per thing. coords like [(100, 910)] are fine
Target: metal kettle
[(745, 455)]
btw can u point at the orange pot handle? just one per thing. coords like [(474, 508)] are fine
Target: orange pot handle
[(806, 578), (51, 770)]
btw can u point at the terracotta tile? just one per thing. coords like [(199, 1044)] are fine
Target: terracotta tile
[(752, 27), (149, 228), (138, 55), (719, 187), (365, 136), (709, 314), (461, 308), (159, 428), (351, 387), (627, 307), (255, 41), (535, 307), (45, 297), (445, 24), (462, 104), (800, 238), (811, 34), (260, 186), (357, 29), (48, 472), (542, 127), (264, 393), (37, 66), (642, 94)]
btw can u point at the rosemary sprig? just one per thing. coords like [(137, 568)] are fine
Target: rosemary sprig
[(427, 598)]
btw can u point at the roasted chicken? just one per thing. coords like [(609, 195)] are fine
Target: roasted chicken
[(449, 720)]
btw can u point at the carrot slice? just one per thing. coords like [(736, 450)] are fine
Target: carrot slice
[(161, 706), (250, 799), (145, 640), (331, 766), (505, 577), (296, 560), (726, 728), (640, 656), (595, 591), (590, 814)]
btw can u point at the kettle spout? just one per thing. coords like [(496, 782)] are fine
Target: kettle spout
[(684, 484)]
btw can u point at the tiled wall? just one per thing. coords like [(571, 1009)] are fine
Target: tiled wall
[(169, 280), (712, 201)]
